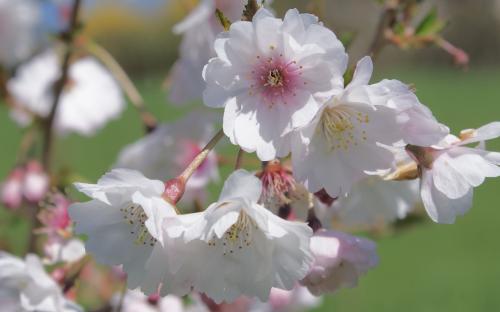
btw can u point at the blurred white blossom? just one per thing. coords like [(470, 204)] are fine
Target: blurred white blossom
[(25, 286), (19, 22), (166, 152), (89, 100)]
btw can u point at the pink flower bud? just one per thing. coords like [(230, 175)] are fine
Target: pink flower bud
[(174, 189), (340, 259), (36, 182), (11, 190)]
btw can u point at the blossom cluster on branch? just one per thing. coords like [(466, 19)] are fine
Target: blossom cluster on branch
[(337, 153)]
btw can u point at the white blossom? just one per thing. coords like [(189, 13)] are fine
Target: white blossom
[(199, 30), (235, 247), (19, 22), (25, 286), (296, 300), (340, 259), (272, 75), (374, 201), (451, 171), (135, 301), (123, 220), (89, 100), (350, 137)]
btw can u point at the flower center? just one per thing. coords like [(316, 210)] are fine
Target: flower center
[(237, 237), (275, 79), (342, 127), (134, 215)]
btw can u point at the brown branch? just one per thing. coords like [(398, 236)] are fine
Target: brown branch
[(387, 21), (48, 131)]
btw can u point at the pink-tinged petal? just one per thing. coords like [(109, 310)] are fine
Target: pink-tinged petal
[(439, 207), (241, 185), (448, 177), (362, 74), (340, 260), (486, 132)]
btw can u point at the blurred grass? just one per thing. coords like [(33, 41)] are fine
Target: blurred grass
[(425, 268)]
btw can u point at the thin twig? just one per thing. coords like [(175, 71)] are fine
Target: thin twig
[(387, 20), (198, 160), (148, 120), (59, 86)]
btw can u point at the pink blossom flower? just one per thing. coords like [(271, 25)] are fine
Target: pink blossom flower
[(35, 183), (12, 189), (60, 245), (271, 76), (340, 259), (199, 30), (295, 300), (282, 194)]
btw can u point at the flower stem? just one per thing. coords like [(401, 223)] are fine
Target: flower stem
[(148, 120), (67, 38), (198, 160), (239, 159)]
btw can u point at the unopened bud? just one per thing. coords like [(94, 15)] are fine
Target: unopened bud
[(174, 189), (11, 190), (36, 182)]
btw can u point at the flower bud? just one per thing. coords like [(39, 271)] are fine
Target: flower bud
[(36, 182), (11, 190), (174, 189)]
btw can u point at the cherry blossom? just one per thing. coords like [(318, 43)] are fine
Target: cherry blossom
[(373, 201), (199, 30), (235, 247), (12, 189), (350, 137), (36, 182), (60, 245), (340, 259), (123, 220), (135, 301), (295, 300), (25, 286), (89, 100), (19, 21), (271, 75), (450, 172)]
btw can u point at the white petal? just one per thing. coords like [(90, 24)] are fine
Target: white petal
[(241, 184)]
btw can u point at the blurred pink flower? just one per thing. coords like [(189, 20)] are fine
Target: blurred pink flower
[(340, 259), (36, 182), (295, 300), (12, 189)]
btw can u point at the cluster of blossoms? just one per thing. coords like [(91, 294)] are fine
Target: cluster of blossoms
[(336, 154), (280, 82)]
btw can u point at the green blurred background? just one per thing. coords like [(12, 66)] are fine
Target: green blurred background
[(425, 267)]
